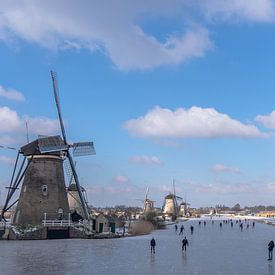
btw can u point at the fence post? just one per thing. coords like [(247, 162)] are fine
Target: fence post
[(45, 218)]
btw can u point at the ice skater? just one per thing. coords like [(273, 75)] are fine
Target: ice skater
[(184, 244), (192, 229), (181, 230), (241, 226), (176, 228), (153, 246), (270, 250)]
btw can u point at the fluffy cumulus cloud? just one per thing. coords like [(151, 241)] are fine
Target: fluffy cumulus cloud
[(220, 168), (146, 160), (116, 27), (12, 126), (189, 123), (10, 121), (11, 94), (251, 10), (267, 120)]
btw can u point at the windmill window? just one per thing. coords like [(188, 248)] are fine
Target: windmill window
[(44, 190)]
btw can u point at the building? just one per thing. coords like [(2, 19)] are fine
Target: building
[(105, 223)]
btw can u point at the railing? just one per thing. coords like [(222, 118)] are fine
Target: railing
[(60, 223), (82, 225), (4, 225), (66, 223)]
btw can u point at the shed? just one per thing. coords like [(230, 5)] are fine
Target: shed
[(105, 223)]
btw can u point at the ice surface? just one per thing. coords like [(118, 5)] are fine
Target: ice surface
[(211, 251)]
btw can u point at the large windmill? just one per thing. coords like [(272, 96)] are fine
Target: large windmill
[(148, 205), (43, 193)]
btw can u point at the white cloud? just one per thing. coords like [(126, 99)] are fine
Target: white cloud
[(10, 122), (8, 140), (220, 168), (231, 10), (121, 179), (116, 28), (7, 160), (146, 160), (13, 131), (268, 120), (195, 122), (11, 94), (111, 28)]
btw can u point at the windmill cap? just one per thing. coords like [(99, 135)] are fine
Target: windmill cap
[(42, 145)]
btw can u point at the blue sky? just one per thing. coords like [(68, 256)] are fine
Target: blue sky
[(183, 90)]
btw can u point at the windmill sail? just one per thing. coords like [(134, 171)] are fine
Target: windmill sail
[(56, 92)]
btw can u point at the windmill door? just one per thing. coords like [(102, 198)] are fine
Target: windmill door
[(100, 227), (113, 227)]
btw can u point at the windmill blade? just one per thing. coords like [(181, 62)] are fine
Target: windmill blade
[(69, 173), (175, 196), (146, 195), (78, 187), (56, 97), (83, 149)]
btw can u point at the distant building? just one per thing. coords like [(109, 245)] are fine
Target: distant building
[(105, 223), (266, 214)]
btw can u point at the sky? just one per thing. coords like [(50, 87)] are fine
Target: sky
[(179, 89)]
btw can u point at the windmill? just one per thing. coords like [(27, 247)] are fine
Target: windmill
[(148, 205), (183, 208), (43, 189), (74, 201), (170, 206)]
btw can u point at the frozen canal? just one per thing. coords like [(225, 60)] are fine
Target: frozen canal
[(211, 251)]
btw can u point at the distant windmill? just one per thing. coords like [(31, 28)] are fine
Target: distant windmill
[(148, 205), (73, 196), (43, 189), (170, 206)]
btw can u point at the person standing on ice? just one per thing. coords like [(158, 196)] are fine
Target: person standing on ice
[(181, 230), (270, 250), (176, 228), (153, 245), (184, 244)]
